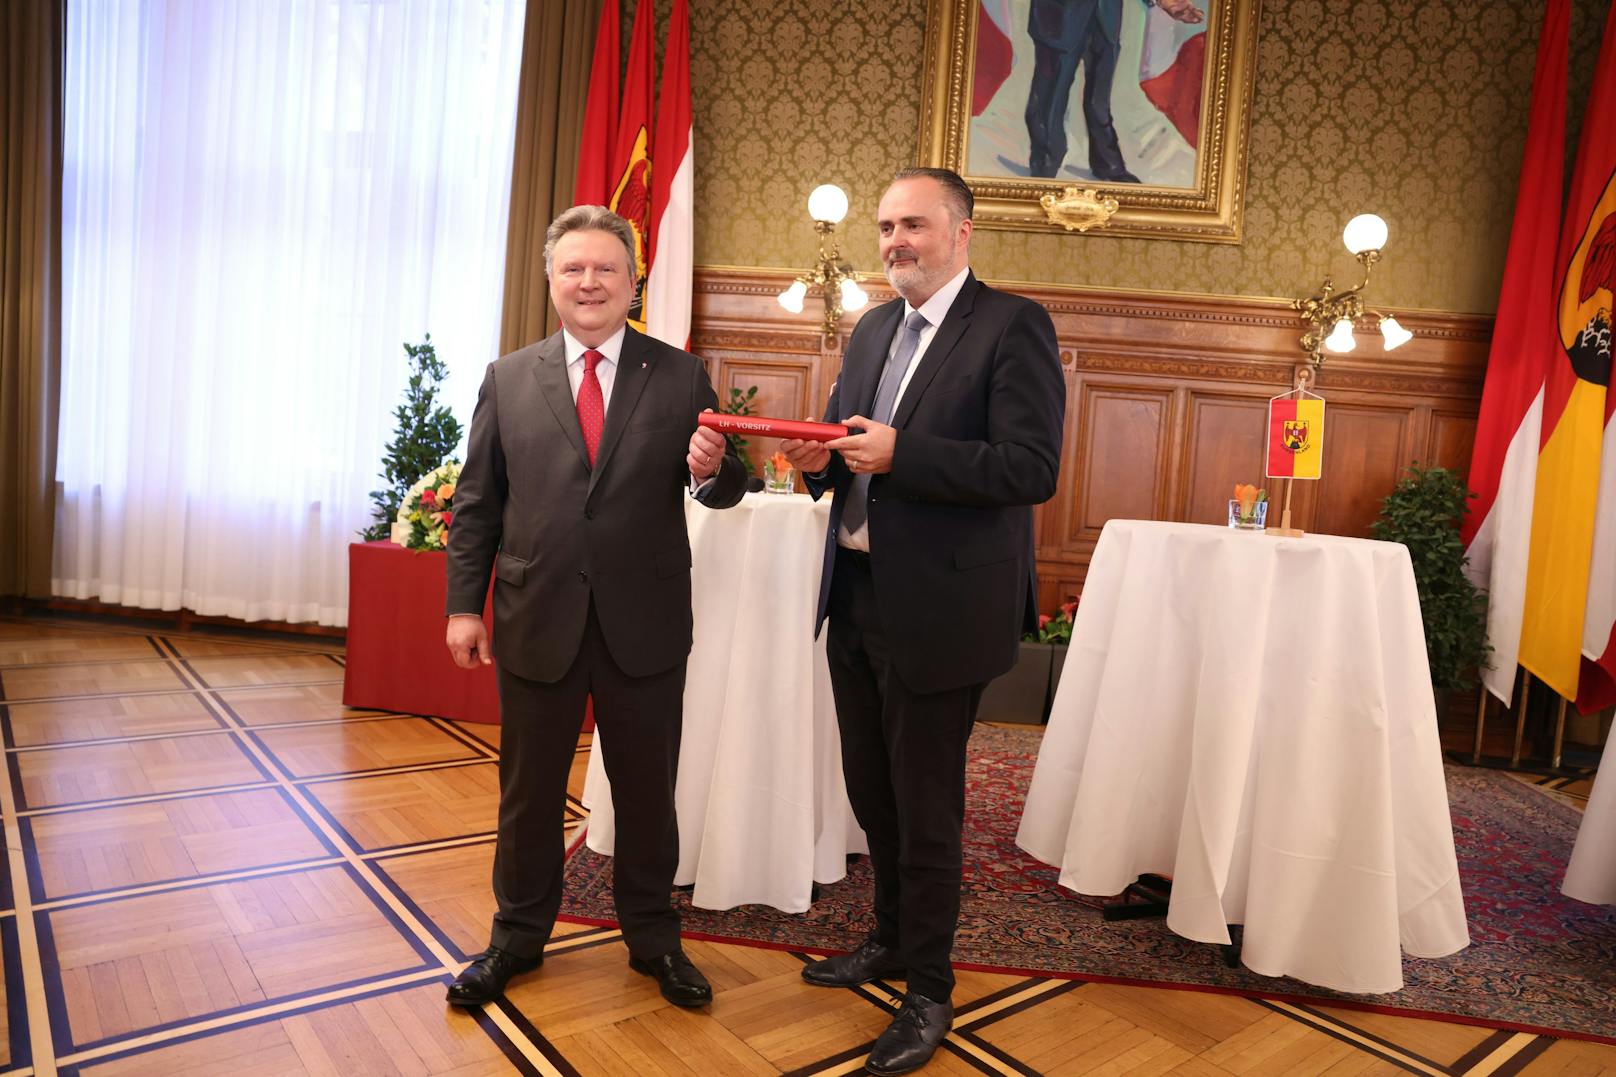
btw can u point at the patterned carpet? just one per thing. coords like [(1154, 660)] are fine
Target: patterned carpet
[(1537, 961)]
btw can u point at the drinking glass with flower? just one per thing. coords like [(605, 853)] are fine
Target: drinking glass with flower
[(1248, 508), (777, 474)]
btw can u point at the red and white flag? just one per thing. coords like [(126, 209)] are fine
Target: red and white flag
[(1497, 532), (593, 186), (1171, 67), (672, 256), (631, 169)]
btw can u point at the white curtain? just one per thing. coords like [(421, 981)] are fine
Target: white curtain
[(263, 200)]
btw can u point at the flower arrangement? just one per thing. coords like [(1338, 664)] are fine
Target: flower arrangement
[(427, 510), (1056, 627)]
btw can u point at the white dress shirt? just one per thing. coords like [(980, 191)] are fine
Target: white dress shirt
[(605, 370), (933, 310)]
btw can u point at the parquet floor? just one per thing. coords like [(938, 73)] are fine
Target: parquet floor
[(213, 867)]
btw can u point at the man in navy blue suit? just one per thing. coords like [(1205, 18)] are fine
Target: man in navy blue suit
[(957, 394), (1064, 34)]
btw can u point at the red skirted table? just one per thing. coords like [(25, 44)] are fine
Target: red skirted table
[(396, 657)]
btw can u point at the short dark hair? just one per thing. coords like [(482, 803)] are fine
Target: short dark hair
[(956, 190)]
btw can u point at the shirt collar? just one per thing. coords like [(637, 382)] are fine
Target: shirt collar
[(610, 349), (935, 309)]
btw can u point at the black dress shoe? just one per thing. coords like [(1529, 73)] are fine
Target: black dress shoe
[(871, 961), (485, 978), (1121, 175), (912, 1037), (681, 982)]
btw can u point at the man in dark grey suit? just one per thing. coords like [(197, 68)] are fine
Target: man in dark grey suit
[(582, 450), (928, 579), (1064, 34)]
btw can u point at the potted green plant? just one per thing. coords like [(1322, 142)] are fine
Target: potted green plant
[(1024, 693), (425, 436), (1423, 512), (740, 403)]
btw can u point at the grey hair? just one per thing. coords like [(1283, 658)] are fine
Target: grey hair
[(961, 202), (586, 219)]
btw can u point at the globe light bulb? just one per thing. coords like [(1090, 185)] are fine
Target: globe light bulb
[(1365, 232), (853, 297), (1393, 335), (828, 203), (791, 298), (1341, 338)]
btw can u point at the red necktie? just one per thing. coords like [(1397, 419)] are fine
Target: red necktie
[(591, 405)]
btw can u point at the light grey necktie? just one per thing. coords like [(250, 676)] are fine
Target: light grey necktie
[(886, 395)]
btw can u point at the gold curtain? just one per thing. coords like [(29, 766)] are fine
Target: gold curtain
[(557, 47), (32, 40)]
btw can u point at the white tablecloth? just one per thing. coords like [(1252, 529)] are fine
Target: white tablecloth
[(1252, 716), (763, 811), (1591, 875)]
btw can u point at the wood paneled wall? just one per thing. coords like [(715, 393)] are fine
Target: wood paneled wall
[(1166, 401)]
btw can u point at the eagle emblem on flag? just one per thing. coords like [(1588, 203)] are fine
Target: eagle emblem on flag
[(1295, 435)]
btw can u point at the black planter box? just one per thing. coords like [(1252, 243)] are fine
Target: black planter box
[(1057, 662), (1021, 695)]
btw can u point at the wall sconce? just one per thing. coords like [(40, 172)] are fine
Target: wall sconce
[(827, 205), (1332, 316)]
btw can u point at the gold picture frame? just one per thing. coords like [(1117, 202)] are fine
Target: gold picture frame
[(1198, 199)]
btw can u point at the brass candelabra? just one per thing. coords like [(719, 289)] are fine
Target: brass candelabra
[(836, 279), (1332, 316)]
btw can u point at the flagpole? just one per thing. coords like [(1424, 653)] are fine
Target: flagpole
[(1520, 721)]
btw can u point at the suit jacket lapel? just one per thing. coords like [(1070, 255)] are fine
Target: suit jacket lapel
[(633, 371), (942, 342), (551, 373)]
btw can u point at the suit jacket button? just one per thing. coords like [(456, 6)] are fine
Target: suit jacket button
[(583, 577), (589, 514)]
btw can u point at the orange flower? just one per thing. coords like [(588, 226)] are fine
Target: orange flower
[(781, 464), (446, 491)]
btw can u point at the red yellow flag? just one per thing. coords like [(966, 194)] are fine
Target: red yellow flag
[(1558, 571), (1295, 437), (631, 155), (1587, 298), (593, 186)]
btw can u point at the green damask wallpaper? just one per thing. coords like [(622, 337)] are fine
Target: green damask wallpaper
[(1414, 109)]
